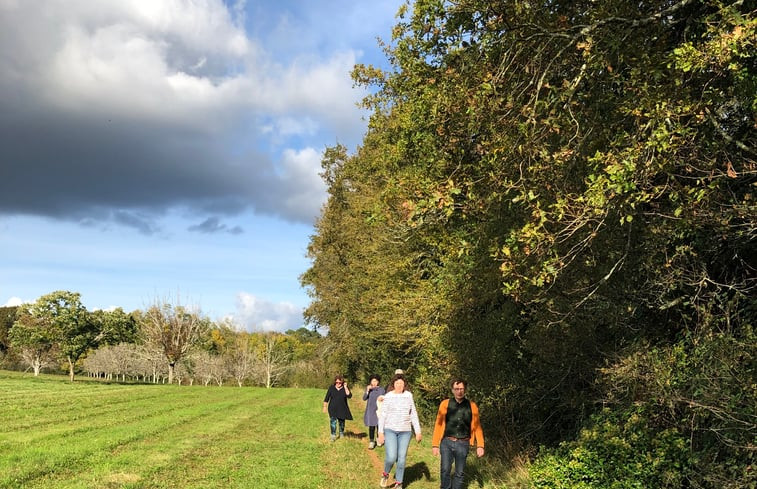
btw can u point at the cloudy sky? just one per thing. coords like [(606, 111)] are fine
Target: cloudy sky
[(164, 149)]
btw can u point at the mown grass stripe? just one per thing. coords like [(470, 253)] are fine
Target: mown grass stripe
[(30, 461), (95, 435), (169, 448), (79, 420)]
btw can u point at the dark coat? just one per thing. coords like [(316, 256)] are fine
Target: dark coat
[(370, 418), (337, 400)]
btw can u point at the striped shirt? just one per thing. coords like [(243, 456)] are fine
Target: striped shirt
[(398, 413)]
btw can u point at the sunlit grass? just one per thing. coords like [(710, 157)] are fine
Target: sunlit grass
[(55, 434)]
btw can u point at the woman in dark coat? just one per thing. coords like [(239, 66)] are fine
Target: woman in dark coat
[(335, 404)]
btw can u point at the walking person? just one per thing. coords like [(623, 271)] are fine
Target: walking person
[(457, 428), (372, 392), (389, 388), (335, 404), (397, 417)]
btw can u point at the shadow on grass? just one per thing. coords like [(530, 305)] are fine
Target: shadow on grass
[(354, 436), (473, 475), (416, 472)]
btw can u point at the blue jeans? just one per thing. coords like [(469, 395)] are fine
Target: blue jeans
[(450, 451), (332, 422), (395, 450)]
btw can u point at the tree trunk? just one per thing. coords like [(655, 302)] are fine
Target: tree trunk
[(70, 369)]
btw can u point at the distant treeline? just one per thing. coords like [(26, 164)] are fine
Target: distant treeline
[(165, 343)]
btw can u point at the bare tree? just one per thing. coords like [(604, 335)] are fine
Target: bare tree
[(209, 368), (37, 359), (120, 361), (174, 330), (241, 360), (273, 358), (126, 359), (150, 362)]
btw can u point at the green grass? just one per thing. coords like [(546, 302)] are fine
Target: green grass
[(57, 434)]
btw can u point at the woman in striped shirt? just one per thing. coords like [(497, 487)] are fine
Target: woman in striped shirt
[(397, 417)]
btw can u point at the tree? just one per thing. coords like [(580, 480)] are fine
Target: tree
[(272, 357), (210, 367), (173, 330), (7, 318), (116, 326), (241, 360), (57, 319), (75, 330), (32, 335), (117, 360)]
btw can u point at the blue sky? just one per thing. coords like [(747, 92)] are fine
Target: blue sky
[(170, 150)]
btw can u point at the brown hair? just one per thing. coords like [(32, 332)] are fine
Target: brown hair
[(397, 377)]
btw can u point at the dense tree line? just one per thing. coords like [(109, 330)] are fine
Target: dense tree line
[(556, 200), (167, 342)]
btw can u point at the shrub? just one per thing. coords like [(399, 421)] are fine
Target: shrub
[(617, 451)]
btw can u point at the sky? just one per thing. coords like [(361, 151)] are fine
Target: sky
[(169, 151)]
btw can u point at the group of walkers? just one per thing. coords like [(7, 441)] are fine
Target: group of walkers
[(392, 418)]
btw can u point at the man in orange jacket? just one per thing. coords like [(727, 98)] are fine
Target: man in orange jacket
[(457, 428)]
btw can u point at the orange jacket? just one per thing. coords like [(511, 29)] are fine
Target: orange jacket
[(477, 433)]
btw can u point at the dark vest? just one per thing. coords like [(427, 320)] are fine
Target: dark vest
[(458, 419)]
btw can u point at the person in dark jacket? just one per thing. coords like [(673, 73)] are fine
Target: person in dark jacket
[(335, 404), (372, 392)]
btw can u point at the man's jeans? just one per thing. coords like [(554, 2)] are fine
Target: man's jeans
[(453, 451), (395, 450)]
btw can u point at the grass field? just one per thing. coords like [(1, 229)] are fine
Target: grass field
[(56, 434)]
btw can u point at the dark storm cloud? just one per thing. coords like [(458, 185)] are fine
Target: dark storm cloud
[(107, 118), (143, 224), (61, 166), (213, 225)]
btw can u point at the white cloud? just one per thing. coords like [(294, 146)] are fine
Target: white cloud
[(301, 171), (172, 64), (256, 314), (13, 302)]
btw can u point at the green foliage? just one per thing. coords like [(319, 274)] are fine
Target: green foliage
[(115, 326), (76, 331), (34, 335), (7, 318), (59, 320), (701, 386), (551, 188), (618, 450)]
